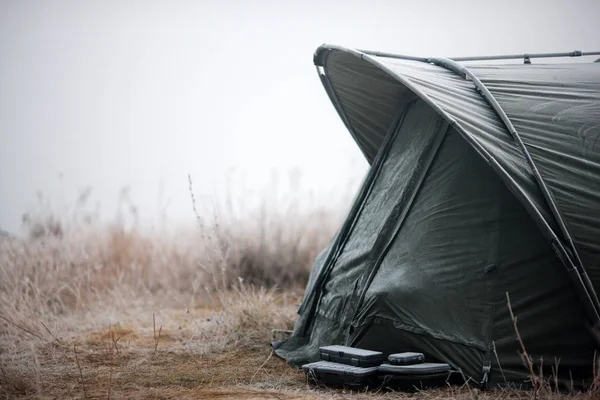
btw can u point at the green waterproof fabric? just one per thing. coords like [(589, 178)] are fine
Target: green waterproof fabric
[(450, 217), (465, 243)]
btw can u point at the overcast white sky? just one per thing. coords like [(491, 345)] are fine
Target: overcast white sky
[(109, 94)]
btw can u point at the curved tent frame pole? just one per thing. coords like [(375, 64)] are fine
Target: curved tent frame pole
[(489, 97)]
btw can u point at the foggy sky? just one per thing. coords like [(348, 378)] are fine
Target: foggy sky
[(108, 94)]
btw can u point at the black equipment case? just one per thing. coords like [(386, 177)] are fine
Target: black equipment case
[(351, 356), (334, 374), (415, 369), (406, 358), (409, 377)]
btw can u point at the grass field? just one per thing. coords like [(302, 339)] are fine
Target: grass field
[(93, 311)]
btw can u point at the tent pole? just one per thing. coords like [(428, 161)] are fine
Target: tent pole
[(576, 53), (489, 97)]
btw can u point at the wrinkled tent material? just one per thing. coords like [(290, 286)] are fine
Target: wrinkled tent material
[(452, 216)]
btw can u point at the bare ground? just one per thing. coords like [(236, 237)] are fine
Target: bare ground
[(182, 359)]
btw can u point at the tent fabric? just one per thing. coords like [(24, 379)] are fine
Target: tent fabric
[(555, 108), (447, 272), (450, 216)]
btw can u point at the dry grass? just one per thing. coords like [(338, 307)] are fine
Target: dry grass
[(88, 309), (111, 312)]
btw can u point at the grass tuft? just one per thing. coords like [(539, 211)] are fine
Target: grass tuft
[(252, 314)]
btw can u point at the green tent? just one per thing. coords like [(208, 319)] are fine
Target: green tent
[(484, 180)]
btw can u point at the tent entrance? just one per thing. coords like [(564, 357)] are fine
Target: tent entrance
[(415, 145), (425, 257), (435, 277), (439, 284), (385, 198)]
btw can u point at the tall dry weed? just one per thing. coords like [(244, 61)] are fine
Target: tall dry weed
[(71, 264), (71, 274)]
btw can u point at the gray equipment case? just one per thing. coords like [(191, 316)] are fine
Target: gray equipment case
[(351, 356), (414, 369), (407, 358), (335, 374), (411, 377)]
